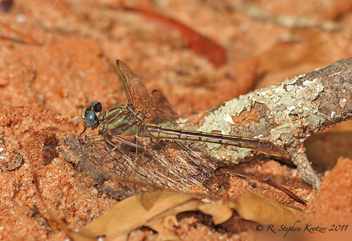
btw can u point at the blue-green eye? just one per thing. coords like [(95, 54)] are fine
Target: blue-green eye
[(90, 119), (96, 106)]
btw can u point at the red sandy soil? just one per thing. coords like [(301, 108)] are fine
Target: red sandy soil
[(56, 57)]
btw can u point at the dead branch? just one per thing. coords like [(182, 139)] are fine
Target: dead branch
[(285, 114)]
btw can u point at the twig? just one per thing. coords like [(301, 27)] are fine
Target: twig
[(285, 114)]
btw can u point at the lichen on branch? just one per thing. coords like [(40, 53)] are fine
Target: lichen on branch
[(286, 114)]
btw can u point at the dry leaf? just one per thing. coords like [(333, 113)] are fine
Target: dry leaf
[(323, 149), (131, 213), (221, 210), (158, 211), (262, 209)]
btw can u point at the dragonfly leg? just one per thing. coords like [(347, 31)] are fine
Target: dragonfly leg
[(115, 148), (124, 141), (111, 143), (85, 128)]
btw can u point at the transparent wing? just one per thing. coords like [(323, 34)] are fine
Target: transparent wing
[(136, 93), (159, 111), (155, 107)]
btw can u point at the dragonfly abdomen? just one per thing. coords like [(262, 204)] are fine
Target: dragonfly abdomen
[(260, 146)]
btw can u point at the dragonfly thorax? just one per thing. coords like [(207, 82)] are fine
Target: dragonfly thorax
[(122, 119)]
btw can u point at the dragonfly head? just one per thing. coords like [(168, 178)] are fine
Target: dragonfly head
[(91, 114)]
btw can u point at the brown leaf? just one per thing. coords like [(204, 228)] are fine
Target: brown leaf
[(323, 149), (158, 211), (262, 209), (131, 213), (220, 210)]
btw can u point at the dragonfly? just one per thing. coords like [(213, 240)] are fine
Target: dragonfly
[(151, 115)]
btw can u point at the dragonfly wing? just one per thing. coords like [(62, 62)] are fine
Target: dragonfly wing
[(160, 111), (136, 93)]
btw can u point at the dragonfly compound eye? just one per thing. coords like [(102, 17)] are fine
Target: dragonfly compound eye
[(96, 106), (90, 119)]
